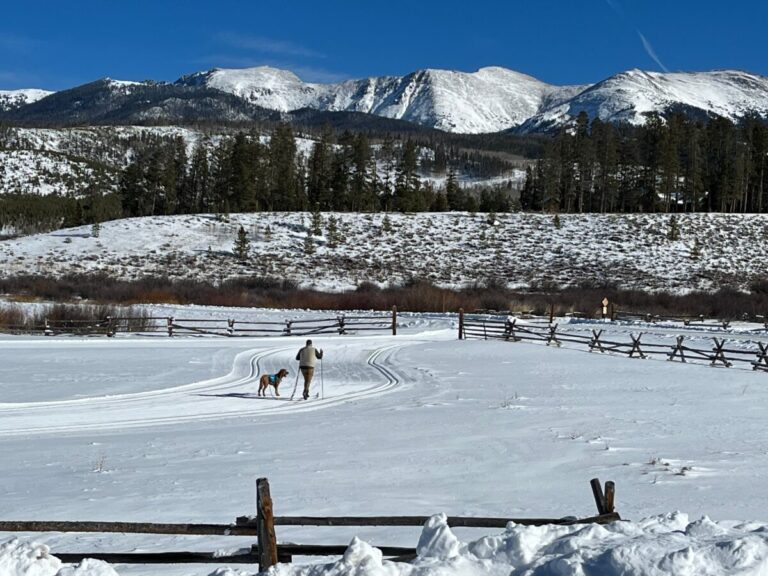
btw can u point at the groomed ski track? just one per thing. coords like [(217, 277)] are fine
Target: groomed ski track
[(231, 396)]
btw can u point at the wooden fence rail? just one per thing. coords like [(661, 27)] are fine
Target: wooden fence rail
[(509, 329), (230, 327), (268, 551)]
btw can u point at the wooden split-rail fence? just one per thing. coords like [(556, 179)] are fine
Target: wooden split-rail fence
[(231, 327), (549, 333), (268, 551)]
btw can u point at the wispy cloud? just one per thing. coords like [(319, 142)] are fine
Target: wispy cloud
[(616, 6), (15, 43), (650, 51), (263, 45)]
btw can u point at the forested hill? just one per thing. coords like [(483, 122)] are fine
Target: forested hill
[(676, 164)]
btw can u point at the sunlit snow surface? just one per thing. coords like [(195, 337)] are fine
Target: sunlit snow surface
[(171, 430), (448, 249)]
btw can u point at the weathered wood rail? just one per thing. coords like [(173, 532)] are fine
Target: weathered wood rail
[(228, 327), (509, 329), (268, 551)]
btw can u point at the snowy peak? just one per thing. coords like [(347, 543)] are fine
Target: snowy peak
[(489, 100), (264, 86), (627, 96), (12, 99)]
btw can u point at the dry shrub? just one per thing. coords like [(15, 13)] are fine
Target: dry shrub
[(416, 295), (11, 317)]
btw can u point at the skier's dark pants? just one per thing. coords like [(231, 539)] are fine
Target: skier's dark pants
[(307, 372)]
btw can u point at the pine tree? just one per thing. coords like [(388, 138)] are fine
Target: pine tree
[(454, 194), (407, 185), (387, 156), (317, 221), (96, 229), (674, 229), (283, 189), (242, 245), (386, 224), (556, 221), (309, 244), (319, 175), (333, 232), (696, 250)]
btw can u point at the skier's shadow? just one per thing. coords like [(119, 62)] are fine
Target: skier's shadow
[(245, 395)]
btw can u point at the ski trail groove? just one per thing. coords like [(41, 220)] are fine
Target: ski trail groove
[(203, 401)]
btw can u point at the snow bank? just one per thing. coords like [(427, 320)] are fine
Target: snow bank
[(19, 558), (668, 544)]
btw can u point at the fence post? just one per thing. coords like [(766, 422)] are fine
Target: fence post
[(231, 327), (678, 348), (551, 313), (288, 327), (719, 355), (394, 320), (340, 320), (265, 526), (597, 492), (610, 495), (170, 325), (461, 323)]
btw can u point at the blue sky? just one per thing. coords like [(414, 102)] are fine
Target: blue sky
[(57, 44)]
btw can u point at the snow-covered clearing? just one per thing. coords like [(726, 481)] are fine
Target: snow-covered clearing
[(171, 430), (450, 249)]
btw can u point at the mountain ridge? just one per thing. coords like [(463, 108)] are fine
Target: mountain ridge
[(491, 99)]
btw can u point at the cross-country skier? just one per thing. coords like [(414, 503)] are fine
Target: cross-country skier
[(307, 358)]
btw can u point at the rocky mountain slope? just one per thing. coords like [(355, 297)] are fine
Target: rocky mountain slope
[(491, 99)]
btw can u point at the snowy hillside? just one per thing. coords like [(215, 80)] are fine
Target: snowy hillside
[(70, 161), (10, 99), (43, 173), (627, 96), (450, 249), (160, 429)]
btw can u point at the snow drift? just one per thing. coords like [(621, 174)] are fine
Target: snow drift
[(660, 545), (19, 558)]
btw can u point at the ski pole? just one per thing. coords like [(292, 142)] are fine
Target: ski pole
[(295, 384)]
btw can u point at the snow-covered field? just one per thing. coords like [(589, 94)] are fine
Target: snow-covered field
[(171, 430), (450, 249)]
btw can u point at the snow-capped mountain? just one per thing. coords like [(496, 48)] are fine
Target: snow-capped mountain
[(12, 99), (627, 96), (491, 99)]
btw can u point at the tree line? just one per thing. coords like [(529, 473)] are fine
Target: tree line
[(677, 164), (248, 172)]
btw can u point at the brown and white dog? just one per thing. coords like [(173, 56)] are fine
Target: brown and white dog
[(267, 380)]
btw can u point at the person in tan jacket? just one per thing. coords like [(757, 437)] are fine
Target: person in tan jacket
[(308, 357)]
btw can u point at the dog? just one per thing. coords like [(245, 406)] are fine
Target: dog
[(267, 380)]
